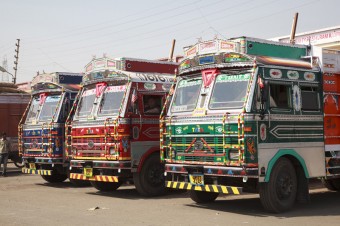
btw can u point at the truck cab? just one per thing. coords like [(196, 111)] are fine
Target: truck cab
[(114, 133), (245, 115), (41, 131)]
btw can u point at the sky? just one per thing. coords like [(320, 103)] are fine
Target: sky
[(64, 35)]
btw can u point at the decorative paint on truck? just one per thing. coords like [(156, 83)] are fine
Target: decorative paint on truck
[(250, 118), (41, 130), (114, 133)]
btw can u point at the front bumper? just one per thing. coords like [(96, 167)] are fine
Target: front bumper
[(102, 171), (35, 171), (101, 178), (228, 171), (206, 188)]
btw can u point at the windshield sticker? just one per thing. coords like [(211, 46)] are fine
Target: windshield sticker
[(199, 112), (185, 83), (233, 78), (52, 99), (89, 92), (208, 76), (180, 108), (113, 89)]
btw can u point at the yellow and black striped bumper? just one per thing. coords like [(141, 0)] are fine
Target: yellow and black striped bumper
[(34, 171), (102, 178), (207, 188)]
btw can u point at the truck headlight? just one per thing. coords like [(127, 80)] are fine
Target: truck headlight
[(234, 155)]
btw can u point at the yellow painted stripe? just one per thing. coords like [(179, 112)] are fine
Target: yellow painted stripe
[(189, 187), (174, 185), (168, 184), (110, 179), (104, 179), (215, 188), (224, 190), (198, 188), (207, 188), (235, 190), (181, 185)]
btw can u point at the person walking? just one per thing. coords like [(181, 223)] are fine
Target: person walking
[(5, 148)]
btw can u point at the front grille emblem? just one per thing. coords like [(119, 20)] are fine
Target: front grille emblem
[(198, 145), (90, 144)]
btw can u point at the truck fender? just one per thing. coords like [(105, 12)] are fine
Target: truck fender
[(145, 156), (287, 153)]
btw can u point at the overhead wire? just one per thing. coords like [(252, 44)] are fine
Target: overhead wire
[(149, 47)]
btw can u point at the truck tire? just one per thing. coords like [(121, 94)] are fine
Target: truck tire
[(105, 186), (331, 184), (150, 180), (279, 194), (54, 178), (19, 164), (203, 196)]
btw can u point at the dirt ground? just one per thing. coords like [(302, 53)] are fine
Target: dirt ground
[(28, 200)]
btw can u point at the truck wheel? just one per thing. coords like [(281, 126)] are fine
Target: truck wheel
[(203, 196), (18, 162), (150, 180), (278, 195), (80, 183), (331, 184), (105, 186), (54, 178)]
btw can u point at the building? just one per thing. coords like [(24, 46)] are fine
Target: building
[(327, 38)]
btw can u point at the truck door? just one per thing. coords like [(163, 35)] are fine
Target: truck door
[(280, 120)]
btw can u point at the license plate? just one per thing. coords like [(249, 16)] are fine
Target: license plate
[(88, 172), (196, 179), (32, 166)]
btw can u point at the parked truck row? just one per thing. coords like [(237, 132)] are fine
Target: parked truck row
[(234, 116)]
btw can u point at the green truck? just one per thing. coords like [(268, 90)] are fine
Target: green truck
[(252, 115)]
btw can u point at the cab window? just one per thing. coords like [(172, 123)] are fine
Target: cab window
[(279, 96), (309, 99), (152, 104)]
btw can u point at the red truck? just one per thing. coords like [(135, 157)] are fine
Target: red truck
[(114, 134), (13, 103)]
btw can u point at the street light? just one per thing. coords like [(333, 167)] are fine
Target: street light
[(4, 70)]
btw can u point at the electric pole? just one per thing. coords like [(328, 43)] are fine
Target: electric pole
[(16, 56)]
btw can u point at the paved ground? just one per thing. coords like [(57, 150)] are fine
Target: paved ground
[(28, 200)]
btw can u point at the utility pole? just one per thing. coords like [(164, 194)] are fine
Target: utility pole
[(292, 33), (172, 50), (16, 56)]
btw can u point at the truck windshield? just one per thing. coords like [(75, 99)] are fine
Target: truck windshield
[(111, 100), (186, 96), (49, 107), (86, 103), (33, 110), (229, 91)]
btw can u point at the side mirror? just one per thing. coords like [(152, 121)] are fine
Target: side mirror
[(264, 92)]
